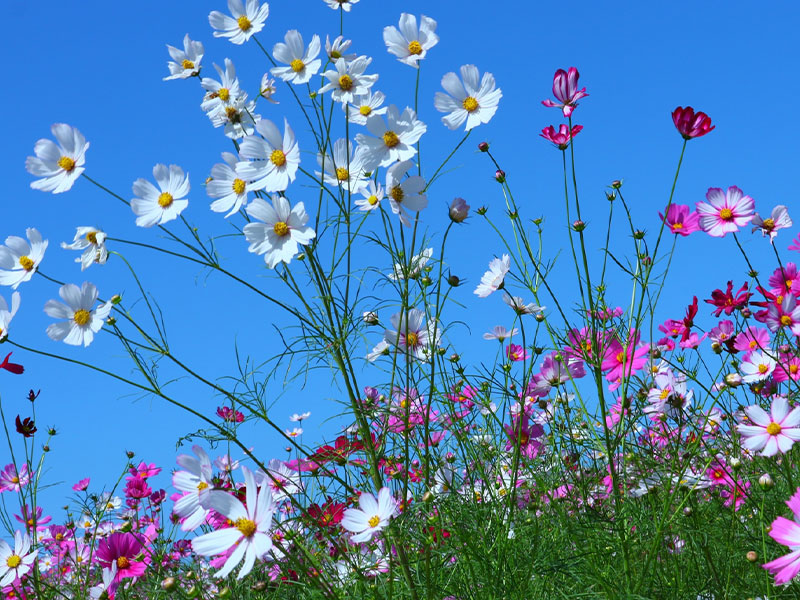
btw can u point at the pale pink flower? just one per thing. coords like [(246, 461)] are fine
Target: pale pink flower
[(725, 212), (779, 219), (771, 433)]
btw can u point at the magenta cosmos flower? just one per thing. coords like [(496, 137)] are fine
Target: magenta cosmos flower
[(786, 532), (126, 551), (773, 432), (563, 137), (680, 220), (725, 212), (565, 89), (691, 124), (623, 362)]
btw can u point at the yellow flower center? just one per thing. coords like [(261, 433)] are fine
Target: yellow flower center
[(246, 526), (165, 199), (373, 200), (793, 369), (281, 228), (397, 193), (15, 479), (345, 82), (13, 561), (26, 263), (365, 110), (82, 317), (373, 521), (773, 428), (726, 214), (621, 357), (390, 139), (187, 64), (202, 485), (412, 339), (762, 368), (677, 225), (753, 345), (786, 320), (244, 23), (335, 54), (66, 163), (663, 395), (238, 186), (297, 65), (415, 47), (91, 237), (788, 284), (233, 115), (123, 562), (224, 94), (278, 158), (342, 174), (768, 225), (470, 104)]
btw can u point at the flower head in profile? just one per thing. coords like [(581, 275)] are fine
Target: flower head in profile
[(565, 89), (779, 219), (405, 194), (275, 158), (93, 243), (244, 22), (372, 515), (82, 320), (410, 43), (6, 315), (195, 482), (156, 206), (494, 278), (344, 5), (562, 137), (519, 306), (472, 102), (58, 165), (725, 212), (19, 259), (681, 220), (772, 432), (185, 63), (301, 63), (690, 124), (500, 333), (283, 227), (17, 562)]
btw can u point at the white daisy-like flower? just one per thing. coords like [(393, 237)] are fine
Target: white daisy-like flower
[(344, 5), (239, 117), (474, 101), (244, 22), (405, 194), (348, 80), (372, 196), (411, 335), (345, 168), (275, 159), (283, 228), (417, 264), (19, 259), (101, 590), (93, 243), (267, 88), (500, 333), (58, 165), (185, 63), (371, 516), (393, 139), (6, 315), (363, 106), (411, 43), (156, 207), (302, 64), (337, 48), (222, 93), (195, 482), (279, 478), (15, 564), (519, 306), (298, 418), (82, 320), (227, 186), (381, 349), (758, 366), (493, 279)]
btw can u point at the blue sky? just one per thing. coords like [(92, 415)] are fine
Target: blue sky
[(99, 66)]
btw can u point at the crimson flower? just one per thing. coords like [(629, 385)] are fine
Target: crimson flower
[(688, 320), (226, 413), (565, 89), (11, 367), (25, 426), (726, 301), (691, 124), (563, 137)]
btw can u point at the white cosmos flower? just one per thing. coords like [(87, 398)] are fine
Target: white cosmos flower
[(337, 48), (227, 186), (58, 165), (19, 259), (410, 335), (393, 141), (371, 516), (244, 22), (500, 333), (156, 207), (411, 43), (372, 196), (6, 315), (405, 194), (93, 243), (492, 279), (381, 349), (521, 308), (344, 5), (418, 262), (195, 482), (82, 321), (280, 479), (345, 168), (185, 63), (250, 534), (14, 564), (222, 93), (758, 367), (275, 159), (283, 228), (302, 64), (347, 80), (267, 88), (363, 106), (239, 117), (475, 101)]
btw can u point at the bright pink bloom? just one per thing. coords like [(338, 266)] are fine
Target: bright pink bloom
[(774, 432), (787, 314), (672, 328), (13, 481), (752, 339), (565, 89), (795, 245), (619, 361), (81, 485), (563, 137), (779, 219), (788, 368), (680, 220), (144, 470), (615, 414), (523, 433), (786, 532), (726, 301), (30, 518), (124, 550), (691, 124), (725, 212), (226, 413), (517, 353), (722, 332), (785, 279)]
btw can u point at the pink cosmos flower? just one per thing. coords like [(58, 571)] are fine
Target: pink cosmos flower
[(785, 279), (779, 219), (81, 485), (725, 212), (722, 332), (517, 353), (680, 220), (786, 532), (630, 359), (565, 89), (774, 432), (127, 551), (752, 339), (522, 432), (787, 314), (13, 481), (563, 137), (691, 124), (788, 368)]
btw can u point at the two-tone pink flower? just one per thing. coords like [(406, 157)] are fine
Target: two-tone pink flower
[(725, 212)]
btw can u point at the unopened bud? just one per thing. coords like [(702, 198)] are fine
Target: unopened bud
[(259, 586), (169, 584), (130, 454), (765, 481), (579, 226), (687, 510), (752, 556), (453, 281), (428, 496), (616, 184), (539, 317), (611, 196), (716, 347), (500, 176), (735, 463), (638, 234), (747, 313), (483, 147), (482, 210), (459, 210), (733, 380), (370, 318)]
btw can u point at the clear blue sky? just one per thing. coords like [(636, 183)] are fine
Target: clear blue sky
[(99, 66)]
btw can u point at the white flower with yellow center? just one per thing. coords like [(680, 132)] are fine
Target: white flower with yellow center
[(492, 280), (371, 516), (267, 88), (405, 194), (15, 564), (410, 335), (154, 206), (249, 536), (280, 478), (58, 165), (227, 186), (93, 243), (337, 48), (365, 106), (239, 117), (372, 196), (415, 267), (223, 93), (185, 63), (410, 44), (275, 159), (302, 64), (6, 315), (282, 229), (345, 168), (393, 139), (19, 259), (474, 101), (244, 22), (348, 80), (82, 321), (195, 483), (344, 5)]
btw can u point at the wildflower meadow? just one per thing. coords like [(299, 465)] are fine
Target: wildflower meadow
[(337, 299)]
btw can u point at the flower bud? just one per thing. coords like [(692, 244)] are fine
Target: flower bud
[(116, 299), (130, 454), (500, 176), (539, 317), (611, 196), (579, 226), (454, 357), (716, 347), (169, 584), (459, 210), (765, 481), (687, 510), (483, 147), (450, 457), (370, 318), (453, 281), (259, 586), (427, 497), (735, 463), (482, 210), (752, 556), (638, 234), (616, 184), (733, 380), (747, 313)]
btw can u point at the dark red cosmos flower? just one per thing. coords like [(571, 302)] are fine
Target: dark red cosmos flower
[(343, 447), (329, 514), (691, 124), (25, 426), (11, 367), (726, 301), (688, 320)]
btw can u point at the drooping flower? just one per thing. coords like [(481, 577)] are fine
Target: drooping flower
[(459, 210), (283, 228), (267, 88), (772, 432), (58, 165), (372, 515), (410, 44), (519, 306), (405, 194), (19, 259), (93, 243), (690, 124), (493, 279), (227, 185), (347, 80), (393, 139), (778, 219), (11, 367), (474, 101), (82, 320), (156, 207), (563, 137), (565, 89), (302, 64), (275, 159), (680, 220), (725, 212), (16, 563), (185, 63), (244, 22)]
